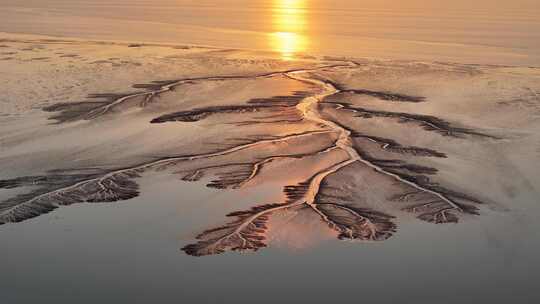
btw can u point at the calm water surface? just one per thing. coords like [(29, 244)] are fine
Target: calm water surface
[(496, 32), (129, 253)]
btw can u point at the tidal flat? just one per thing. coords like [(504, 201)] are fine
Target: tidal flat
[(172, 169)]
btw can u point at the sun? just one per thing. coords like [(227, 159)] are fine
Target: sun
[(289, 28)]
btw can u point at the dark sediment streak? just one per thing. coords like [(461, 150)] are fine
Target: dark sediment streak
[(278, 104), (427, 122), (382, 95)]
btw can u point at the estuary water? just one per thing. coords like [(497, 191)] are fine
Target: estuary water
[(491, 32)]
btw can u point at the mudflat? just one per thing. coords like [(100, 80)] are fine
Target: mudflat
[(298, 154)]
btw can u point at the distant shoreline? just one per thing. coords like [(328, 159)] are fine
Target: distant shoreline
[(15, 36)]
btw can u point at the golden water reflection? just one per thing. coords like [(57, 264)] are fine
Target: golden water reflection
[(289, 25)]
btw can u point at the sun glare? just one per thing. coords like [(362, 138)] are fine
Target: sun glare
[(289, 27)]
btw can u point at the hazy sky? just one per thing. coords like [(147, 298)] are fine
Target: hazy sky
[(488, 4)]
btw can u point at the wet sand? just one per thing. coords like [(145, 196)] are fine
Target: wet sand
[(312, 159)]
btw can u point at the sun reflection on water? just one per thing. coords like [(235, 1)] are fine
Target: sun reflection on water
[(289, 26)]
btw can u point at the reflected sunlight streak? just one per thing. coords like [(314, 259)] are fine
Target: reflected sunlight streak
[(289, 26)]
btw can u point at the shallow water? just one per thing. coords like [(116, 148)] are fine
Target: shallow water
[(493, 32), (129, 253)]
